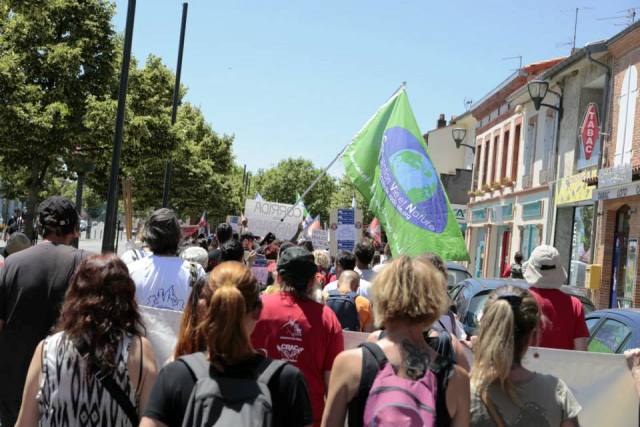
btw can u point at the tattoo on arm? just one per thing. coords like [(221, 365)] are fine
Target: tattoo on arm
[(416, 360)]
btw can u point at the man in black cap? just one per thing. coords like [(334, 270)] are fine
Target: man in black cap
[(295, 328), (32, 287)]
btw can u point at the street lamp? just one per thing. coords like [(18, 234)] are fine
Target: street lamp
[(538, 89), (458, 136)]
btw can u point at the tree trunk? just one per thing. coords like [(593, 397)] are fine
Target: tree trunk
[(32, 207), (36, 184)]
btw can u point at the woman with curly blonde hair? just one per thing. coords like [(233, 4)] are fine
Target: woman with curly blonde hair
[(408, 296)]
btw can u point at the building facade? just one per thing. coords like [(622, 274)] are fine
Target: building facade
[(452, 162), (618, 188), (571, 152), (509, 195)]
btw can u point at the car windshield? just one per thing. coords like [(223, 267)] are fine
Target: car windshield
[(457, 276), (476, 307)]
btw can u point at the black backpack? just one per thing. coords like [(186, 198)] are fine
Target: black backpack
[(516, 271), (344, 306)]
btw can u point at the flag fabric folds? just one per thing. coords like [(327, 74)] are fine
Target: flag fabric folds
[(387, 161), (308, 219), (374, 231), (203, 224), (315, 225)]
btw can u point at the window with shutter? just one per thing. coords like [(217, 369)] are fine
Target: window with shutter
[(548, 145), (626, 116), (529, 146)]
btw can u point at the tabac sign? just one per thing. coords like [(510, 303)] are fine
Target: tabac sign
[(590, 130)]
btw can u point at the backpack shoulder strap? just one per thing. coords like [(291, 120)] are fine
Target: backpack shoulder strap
[(272, 368), (373, 358), (443, 369), (197, 364), (334, 293)]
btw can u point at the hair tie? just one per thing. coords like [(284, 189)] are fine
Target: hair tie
[(513, 300)]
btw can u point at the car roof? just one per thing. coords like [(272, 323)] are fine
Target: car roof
[(478, 285), (629, 313), (456, 266)]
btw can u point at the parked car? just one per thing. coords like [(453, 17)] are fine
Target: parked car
[(457, 273), (471, 295), (613, 330)]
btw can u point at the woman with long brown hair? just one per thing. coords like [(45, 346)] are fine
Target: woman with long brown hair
[(503, 392), (233, 311), (97, 366), (191, 339)]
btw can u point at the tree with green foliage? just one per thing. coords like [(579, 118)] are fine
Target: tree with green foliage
[(290, 176), (202, 160), (54, 56), (343, 198)]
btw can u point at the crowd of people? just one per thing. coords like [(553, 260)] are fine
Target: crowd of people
[(73, 346)]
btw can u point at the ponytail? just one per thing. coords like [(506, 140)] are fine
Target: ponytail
[(510, 316), (235, 295)]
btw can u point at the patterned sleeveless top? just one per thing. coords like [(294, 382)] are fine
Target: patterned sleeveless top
[(67, 398)]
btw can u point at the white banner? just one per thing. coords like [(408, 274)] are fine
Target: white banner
[(264, 217), (320, 239), (162, 327), (601, 382)]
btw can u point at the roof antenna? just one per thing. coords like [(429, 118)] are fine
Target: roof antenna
[(629, 15), (518, 57), (467, 103)]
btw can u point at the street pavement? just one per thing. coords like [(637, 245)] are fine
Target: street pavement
[(95, 244)]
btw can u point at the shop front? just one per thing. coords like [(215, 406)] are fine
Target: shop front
[(490, 239), (574, 225), (620, 232), (477, 240), (531, 215)]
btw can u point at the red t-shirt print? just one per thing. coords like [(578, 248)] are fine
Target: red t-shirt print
[(563, 318), (303, 332)]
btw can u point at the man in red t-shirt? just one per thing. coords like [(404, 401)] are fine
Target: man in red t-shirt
[(563, 324), (294, 328)]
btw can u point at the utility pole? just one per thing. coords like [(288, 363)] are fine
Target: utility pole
[(112, 196), (176, 99)]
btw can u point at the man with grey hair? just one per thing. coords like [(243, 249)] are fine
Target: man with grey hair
[(163, 280)]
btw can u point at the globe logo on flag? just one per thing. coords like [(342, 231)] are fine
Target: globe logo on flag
[(411, 182)]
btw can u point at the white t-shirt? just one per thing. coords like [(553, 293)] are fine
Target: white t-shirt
[(133, 255), (366, 274), (363, 290), (379, 267), (163, 281)]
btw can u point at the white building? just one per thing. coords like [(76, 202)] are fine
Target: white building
[(509, 193)]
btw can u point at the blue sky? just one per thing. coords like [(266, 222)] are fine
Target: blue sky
[(299, 78)]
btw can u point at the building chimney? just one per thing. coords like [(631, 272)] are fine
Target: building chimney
[(442, 122)]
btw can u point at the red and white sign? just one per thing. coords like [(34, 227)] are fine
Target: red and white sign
[(590, 130)]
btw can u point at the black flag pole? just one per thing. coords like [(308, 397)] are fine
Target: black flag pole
[(109, 234), (176, 100)]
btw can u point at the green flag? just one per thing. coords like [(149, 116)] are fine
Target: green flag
[(305, 212), (388, 163)]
